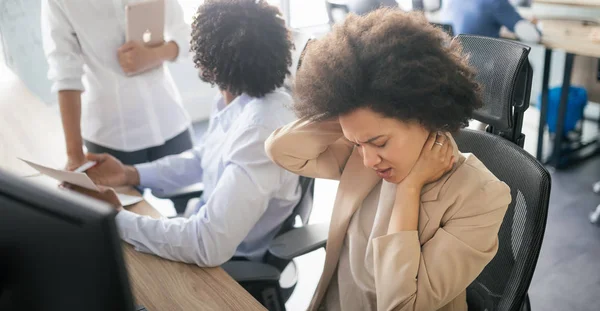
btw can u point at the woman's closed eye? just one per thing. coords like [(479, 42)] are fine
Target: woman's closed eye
[(373, 144), (380, 145)]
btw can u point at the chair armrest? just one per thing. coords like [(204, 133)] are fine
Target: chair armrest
[(248, 271), (190, 191), (300, 241)]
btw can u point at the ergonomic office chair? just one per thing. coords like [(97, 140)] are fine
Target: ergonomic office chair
[(332, 5), (504, 72), (595, 215)]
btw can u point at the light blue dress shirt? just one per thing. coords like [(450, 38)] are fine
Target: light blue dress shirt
[(246, 196)]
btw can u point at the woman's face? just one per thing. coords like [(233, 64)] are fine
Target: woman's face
[(387, 145)]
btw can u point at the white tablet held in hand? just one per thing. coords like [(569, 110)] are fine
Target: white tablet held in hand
[(146, 22)]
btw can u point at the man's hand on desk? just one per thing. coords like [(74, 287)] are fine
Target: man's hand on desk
[(105, 194), (109, 171)]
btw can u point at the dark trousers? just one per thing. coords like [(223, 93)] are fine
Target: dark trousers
[(175, 145)]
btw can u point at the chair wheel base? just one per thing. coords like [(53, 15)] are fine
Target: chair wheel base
[(595, 216), (596, 187)]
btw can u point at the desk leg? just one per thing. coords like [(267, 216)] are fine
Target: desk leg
[(562, 111), (544, 104)]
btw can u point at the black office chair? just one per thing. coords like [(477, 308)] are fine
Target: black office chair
[(273, 280), (595, 215), (333, 5), (504, 72)]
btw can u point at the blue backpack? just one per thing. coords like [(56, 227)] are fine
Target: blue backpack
[(575, 105)]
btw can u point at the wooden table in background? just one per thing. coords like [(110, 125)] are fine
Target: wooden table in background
[(574, 38), (583, 3), (31, 129)]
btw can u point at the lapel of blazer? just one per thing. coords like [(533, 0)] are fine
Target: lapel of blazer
[(358, 182), (432, 190)]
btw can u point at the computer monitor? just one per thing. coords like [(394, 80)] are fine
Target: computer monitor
[(58, 251)]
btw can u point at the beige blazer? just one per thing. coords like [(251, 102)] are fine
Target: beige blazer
[(459, 219)]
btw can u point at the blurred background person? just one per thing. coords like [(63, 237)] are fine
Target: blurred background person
[(115, 97)]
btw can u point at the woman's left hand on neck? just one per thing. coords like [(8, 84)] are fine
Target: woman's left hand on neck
[(435, 160)]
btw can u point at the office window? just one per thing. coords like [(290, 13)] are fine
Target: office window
[(304, 13), (189, 9), (191, 6)]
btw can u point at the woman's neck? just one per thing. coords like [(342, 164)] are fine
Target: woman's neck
[(228, 97)]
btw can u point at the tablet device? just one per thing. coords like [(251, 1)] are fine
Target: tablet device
[(146, 22)]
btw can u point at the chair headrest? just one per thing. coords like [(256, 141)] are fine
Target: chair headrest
[(503, 70)]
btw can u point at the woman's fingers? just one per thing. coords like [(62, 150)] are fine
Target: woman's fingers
[(430, 141)]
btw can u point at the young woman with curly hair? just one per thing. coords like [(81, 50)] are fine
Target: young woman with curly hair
[(414, 221)]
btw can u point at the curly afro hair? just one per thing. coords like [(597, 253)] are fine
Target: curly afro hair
[(242, 46), (392, 62)]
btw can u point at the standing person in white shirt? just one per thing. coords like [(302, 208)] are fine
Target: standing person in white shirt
[(244, 48), (137, 118)]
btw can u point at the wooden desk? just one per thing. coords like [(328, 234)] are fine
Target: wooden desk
[(570, 36), (573, 37), (160, 284), (584, 3), (29, 128)]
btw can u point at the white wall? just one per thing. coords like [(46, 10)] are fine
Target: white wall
[(196, 95)]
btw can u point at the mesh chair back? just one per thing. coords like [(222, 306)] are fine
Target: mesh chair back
[(305, 205), (504, 73), (504, 282)]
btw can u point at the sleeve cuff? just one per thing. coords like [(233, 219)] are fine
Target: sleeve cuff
[(126, 226), (149, 177), (404, 244), (183, 48), (125, 220), (68, 85), (182, 41), (402, 237)]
